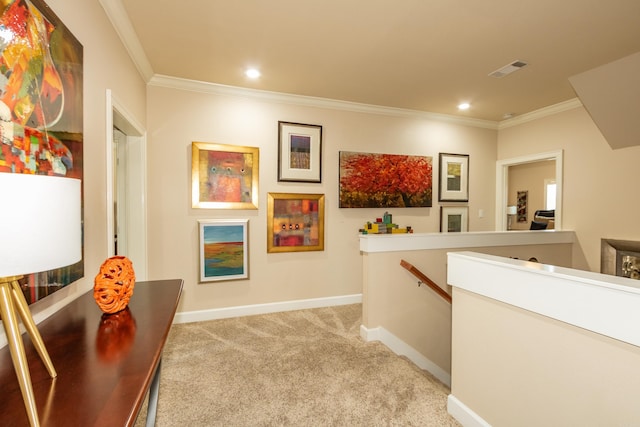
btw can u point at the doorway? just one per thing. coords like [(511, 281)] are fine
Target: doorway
[(502, 185), (126, 187)]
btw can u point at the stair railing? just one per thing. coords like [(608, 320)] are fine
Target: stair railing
[(422, 278)]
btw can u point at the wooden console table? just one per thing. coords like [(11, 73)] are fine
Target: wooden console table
[(105, 364)]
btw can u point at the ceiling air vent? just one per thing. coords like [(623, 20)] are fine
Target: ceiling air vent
[(508, 69)]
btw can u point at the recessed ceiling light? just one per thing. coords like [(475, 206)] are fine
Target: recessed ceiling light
[(464, 106), (252, 73)]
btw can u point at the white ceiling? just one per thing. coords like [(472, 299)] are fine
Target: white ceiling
[(426, 55)]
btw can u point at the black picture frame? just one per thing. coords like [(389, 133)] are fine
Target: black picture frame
[(299, 152), (454, 177)]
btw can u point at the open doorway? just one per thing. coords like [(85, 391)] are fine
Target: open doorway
[(503, 194), (126, 187)]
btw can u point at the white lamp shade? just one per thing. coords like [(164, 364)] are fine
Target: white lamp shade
[(40, 223), (511, 210)]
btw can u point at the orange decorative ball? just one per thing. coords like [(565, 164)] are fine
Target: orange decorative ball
[(113, 286)]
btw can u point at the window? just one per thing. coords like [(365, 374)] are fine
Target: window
[(549, 194)]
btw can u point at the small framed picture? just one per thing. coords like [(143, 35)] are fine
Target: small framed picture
[(295, 222), (224, 249), (522, 206), (454, 178), (454, 219), (224, 176), (299, 152)]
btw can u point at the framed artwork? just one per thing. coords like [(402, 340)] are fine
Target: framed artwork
[(224, 250), (521, 206), (384, 180), (454, 178), (454, 219), (41, 132), (295, 222), (299, 152), (224, 176)]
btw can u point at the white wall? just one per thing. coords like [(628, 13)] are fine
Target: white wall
[(600, 184), (176, 118)]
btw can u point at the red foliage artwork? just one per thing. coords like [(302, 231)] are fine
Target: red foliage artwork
[(385, 180)]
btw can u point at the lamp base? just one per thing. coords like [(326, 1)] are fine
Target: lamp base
[(12, 300)]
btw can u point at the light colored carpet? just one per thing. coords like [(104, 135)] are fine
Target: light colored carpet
[(298, 368)]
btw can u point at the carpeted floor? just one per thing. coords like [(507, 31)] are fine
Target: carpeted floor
[(298, 368)]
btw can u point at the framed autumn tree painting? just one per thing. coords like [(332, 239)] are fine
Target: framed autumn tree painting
[(385, 180)]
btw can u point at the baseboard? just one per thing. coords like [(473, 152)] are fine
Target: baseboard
[(401, 348), (464, 414), (276, 307)]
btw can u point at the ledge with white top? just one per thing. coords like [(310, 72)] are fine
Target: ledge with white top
[(370, 243), (605, 304), (519, 326)]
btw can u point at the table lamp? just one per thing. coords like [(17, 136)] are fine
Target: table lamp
[(40, 225), (511, 211)]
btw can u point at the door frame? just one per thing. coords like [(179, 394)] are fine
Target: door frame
[(502, 184), (136, 212)]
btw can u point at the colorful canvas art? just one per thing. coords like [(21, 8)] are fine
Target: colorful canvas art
[(40, 109), (223, 250), (295, 222), (224, 176), (300, 152), (385, 180)]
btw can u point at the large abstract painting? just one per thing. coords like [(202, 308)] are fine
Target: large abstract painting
[(40, 109), (385, 180)]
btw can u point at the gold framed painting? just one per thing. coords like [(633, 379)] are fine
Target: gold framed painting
[(224, 176), (295, 222)]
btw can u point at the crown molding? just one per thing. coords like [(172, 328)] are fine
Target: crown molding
[(117, 14), (160, 80), (122, 24), (540, 113)]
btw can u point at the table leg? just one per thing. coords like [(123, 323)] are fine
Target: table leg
[(18, 356), (152, 407)]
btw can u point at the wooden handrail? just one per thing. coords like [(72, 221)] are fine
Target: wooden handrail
[(424, 279)]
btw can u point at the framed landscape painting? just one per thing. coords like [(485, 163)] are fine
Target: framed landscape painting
[(224, 250), (370, 180), (224, 176)]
